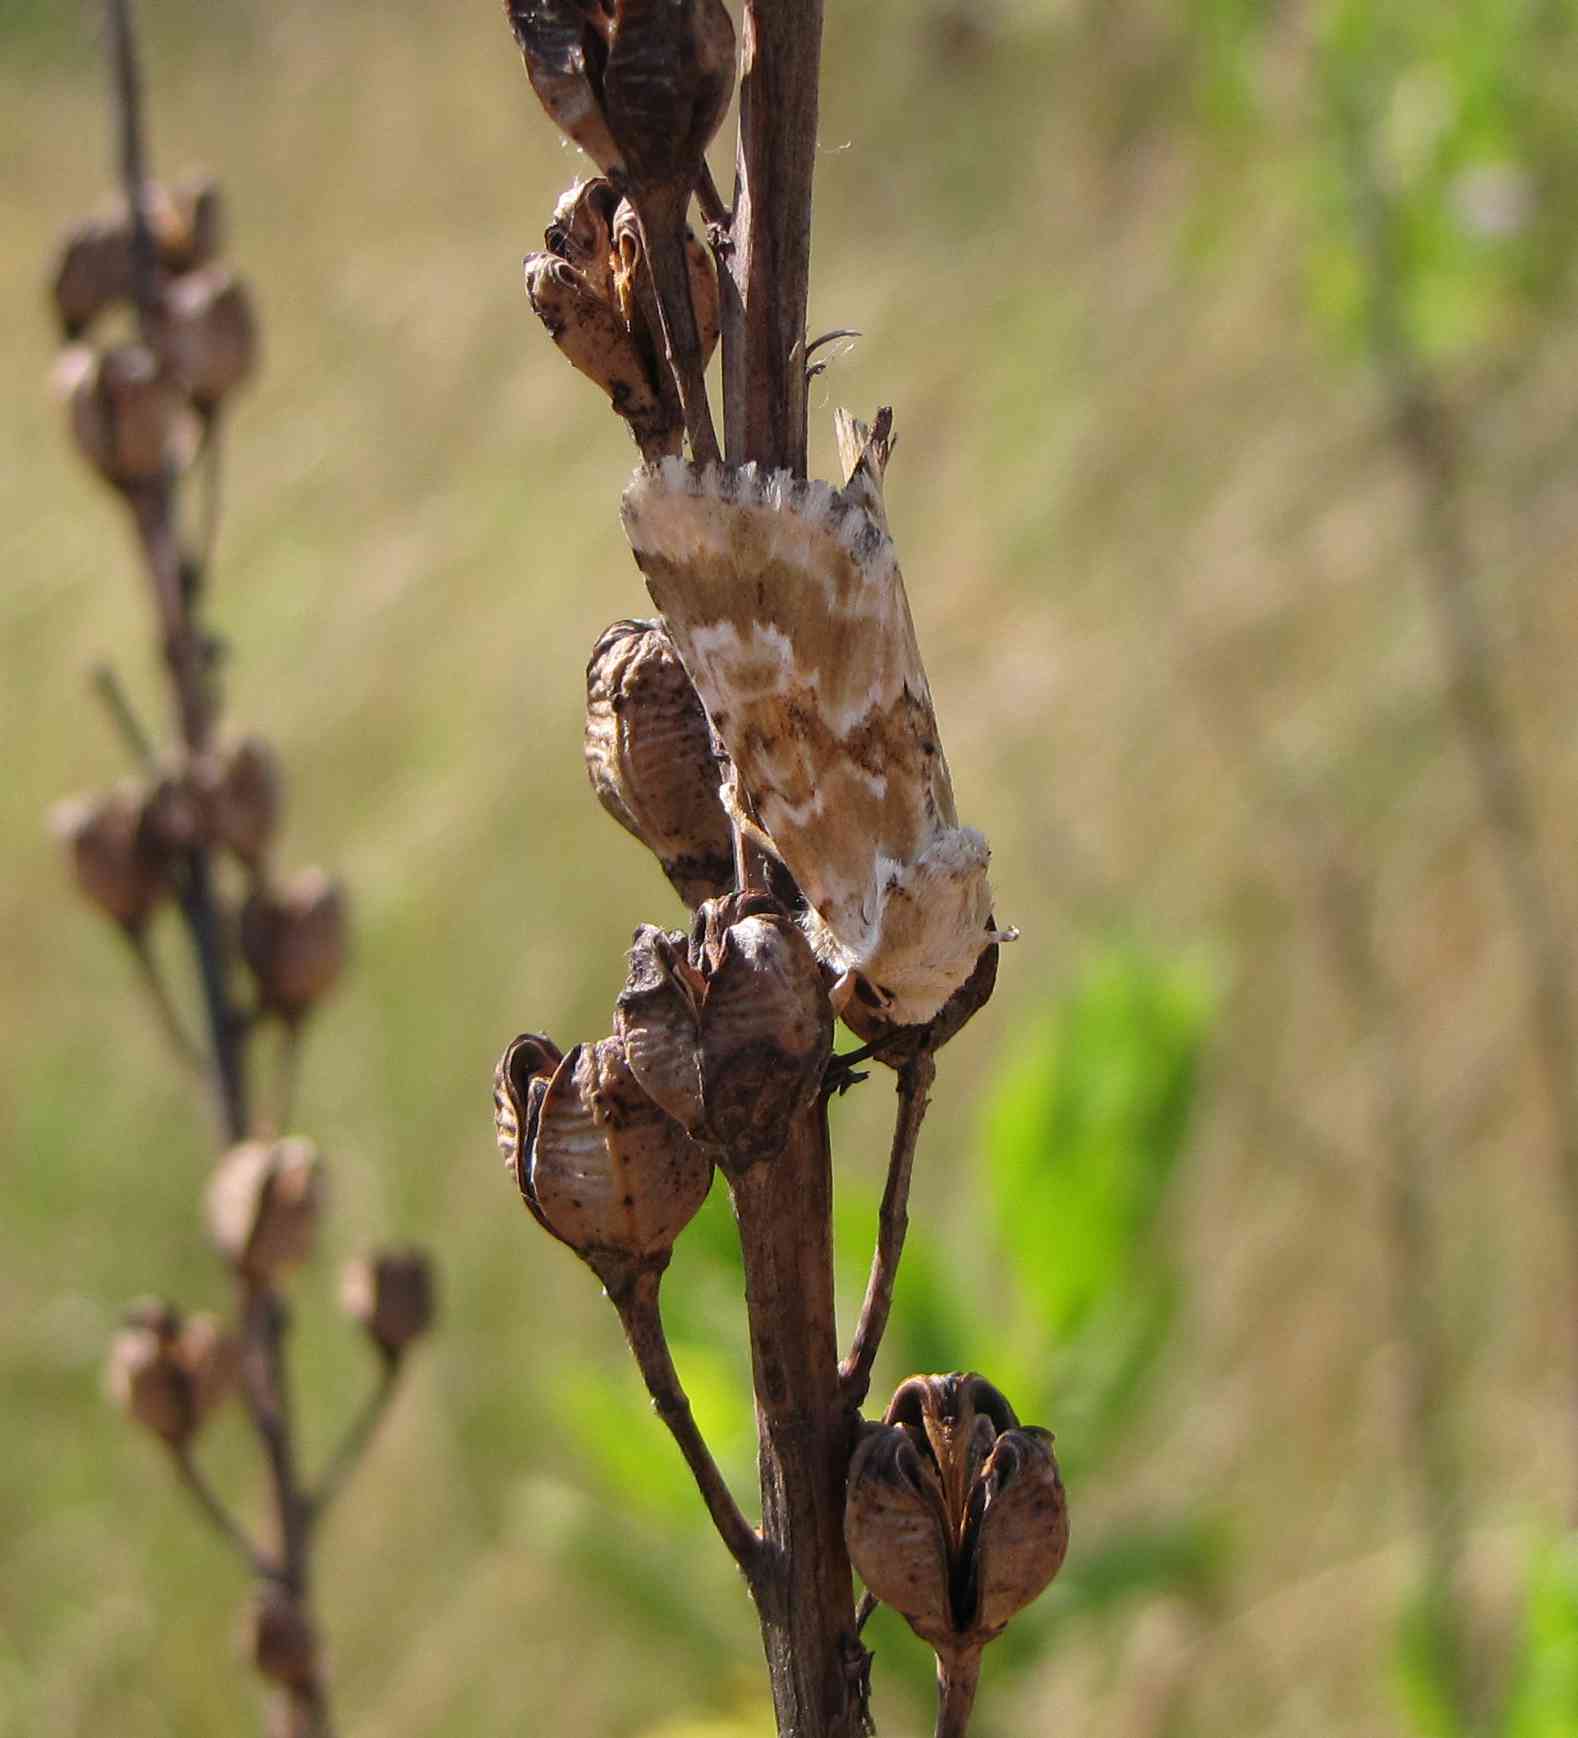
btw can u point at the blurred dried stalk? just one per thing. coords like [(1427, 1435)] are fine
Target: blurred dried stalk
[(195, 830), (722, 1055)]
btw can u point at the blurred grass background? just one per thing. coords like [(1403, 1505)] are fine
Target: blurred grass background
[(1165, 555)]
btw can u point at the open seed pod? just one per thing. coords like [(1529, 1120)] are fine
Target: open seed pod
[(113, 856), (592, 336), (582, 233), (295, 942), (207, 334), (390, 1292), (635, 294), (93, 270), (167, 1373), (128, 414), (520, 1083), (241, 790), (263, 1205), (731, 1032), (605, 1170), (956, 1514), (651, 757), (640, 85)]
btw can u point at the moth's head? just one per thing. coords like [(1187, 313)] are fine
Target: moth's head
[(934, 921)]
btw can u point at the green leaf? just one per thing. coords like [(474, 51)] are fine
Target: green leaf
[(1544, 1701)]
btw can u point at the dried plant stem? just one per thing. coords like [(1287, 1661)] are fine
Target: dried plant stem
[(805, 1595), (957, 1679), (126, 78), (1424, 430), (218, 1516), (916, 1078), (347, 1456), (108, 686), (662, 221), (768, 257), (264, 1386), (637, 1303)]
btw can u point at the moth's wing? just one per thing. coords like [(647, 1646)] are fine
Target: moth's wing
[(787, 605)]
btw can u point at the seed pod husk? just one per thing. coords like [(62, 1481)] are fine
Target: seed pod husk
[(520, 1083), (168, 1374), (610, 1173), (128, 415), (666, 87), (263, 1205), (94, 268), (112, 855), (207, 334), (896, 1530), (732, 1035), (295, 942), (652, 759), (956, 1514), (241, 789), (390, 1292), (1016, 1529), (581, 233), (282, 1641), (565, 47), (591, 335), (635, 293)]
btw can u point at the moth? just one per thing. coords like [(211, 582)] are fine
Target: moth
[(786, 603)]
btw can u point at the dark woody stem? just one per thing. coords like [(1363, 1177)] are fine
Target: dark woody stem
[(637, 1303), (806, 1602), (957, 1678), (915, 1083), (661, 215)]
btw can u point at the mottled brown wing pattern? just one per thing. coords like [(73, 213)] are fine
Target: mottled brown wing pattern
[(785, 600)]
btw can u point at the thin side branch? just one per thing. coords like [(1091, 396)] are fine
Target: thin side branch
[(218, 1516), (358, 1436), (916, 1078), (188, 1052), (109, 688), (639, 1313)]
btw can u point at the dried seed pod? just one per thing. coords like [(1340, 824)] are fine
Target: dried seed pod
[(635, 294), (592, 336), (114, 860), (295, 942), (167, 1374), (666, 87), (390, 1292), (173, 814), (93, 270), (581, 233), (128, 416), (658, 1016), (263, 1205), (956, 1514), (565, 47), (766, 1034), (652, 761), (520, 1083), (207, 334), (1016, 1528), (610, 1173), (732, 1036), (897, 1531), (281, 1639), (240, 787)]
